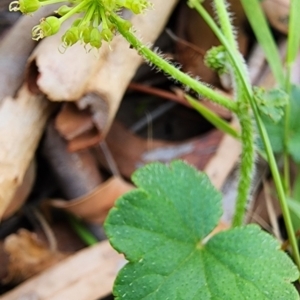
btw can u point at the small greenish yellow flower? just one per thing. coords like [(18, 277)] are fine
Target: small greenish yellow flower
[(47, 27), (106, 34), (91, 28), (85, 34), (25, 6), (96, 38), (70, 37), (136, 6)]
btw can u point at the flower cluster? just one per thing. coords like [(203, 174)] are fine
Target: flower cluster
[(93, 25), (216, 58)]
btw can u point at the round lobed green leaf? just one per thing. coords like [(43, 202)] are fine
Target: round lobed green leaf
[(162, 229)]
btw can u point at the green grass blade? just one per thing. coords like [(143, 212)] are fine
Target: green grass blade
[(85, 235), (264, 36), (294, 32), (213, 118)]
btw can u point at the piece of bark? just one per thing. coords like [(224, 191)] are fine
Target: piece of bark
[(22, 192), (101, 81), (88, 274), (15, 49), (22, 122)]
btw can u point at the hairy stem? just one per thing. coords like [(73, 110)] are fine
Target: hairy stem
[(171, 70), (246, 163), (225, 24), (244, 115)]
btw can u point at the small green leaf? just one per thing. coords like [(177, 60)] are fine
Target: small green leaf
[(162, 227), (276, 131), (272, 102)]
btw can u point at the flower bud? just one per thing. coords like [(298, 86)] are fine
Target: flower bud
[(136, 6), (76, 22), (107, 35), (215, 58), (71, 37), (85, 34), (95, 40), (64, 9), (47, 27), (25, 6)]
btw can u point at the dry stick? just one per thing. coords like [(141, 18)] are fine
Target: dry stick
[(22, 122), (158, 92), (178, 96)]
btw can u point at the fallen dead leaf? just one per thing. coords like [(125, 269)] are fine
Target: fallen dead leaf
[(27, 256), (94, 206)]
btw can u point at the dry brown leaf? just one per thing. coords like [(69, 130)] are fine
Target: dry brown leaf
[(77, 127), (94, 206), (27, 256), (277, 13), (71, 122), (131, 151)]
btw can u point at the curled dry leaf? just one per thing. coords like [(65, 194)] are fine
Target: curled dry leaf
[(27, 256), (277, 13), (71, 122), (77, 127), (94, 206)]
